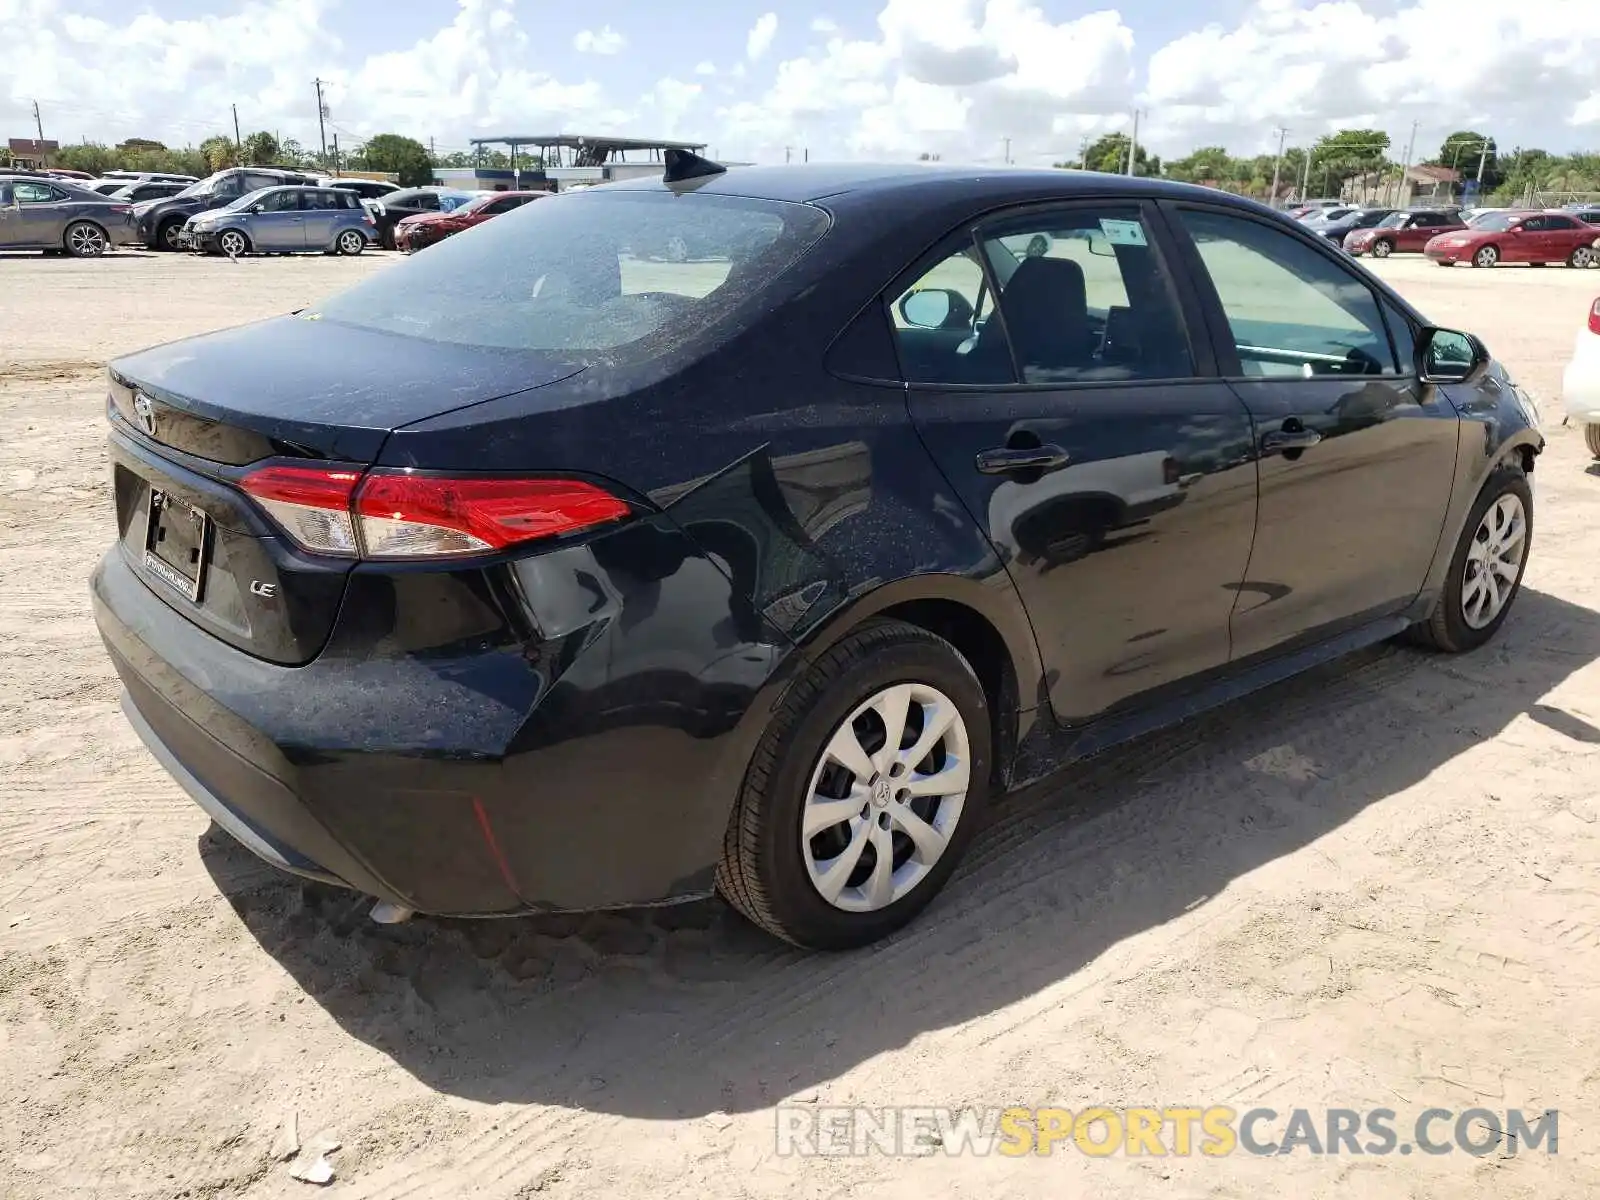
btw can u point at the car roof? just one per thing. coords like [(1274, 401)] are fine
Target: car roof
[(804, 183)]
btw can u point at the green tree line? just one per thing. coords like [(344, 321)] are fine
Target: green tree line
[(1506, 176)]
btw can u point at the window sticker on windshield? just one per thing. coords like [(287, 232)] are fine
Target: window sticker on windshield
[(1123, 233)]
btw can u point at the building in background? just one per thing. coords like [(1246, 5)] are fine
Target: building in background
[(32, 154), (558, 161)]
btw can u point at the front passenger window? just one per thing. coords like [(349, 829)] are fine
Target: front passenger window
[(1291, 310)]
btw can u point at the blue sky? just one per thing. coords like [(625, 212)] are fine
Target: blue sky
[(881, 79)]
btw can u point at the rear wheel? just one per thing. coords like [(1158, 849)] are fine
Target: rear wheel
[(85, 239), (863, 792), (1583, 256), (1488, 256), (352, 242), (1591, 438), (1486, 570), (1382, 248)]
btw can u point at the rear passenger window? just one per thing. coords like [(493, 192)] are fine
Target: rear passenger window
[(1083, 297), (1291, 310)]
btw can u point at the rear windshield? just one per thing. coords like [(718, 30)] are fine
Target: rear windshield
[(588, 271)]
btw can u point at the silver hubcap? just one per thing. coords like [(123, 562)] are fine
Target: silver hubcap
[(232, 243), (1381, 249), (351, 242), (885, 797), (1582, 256), (1487, 256), (1493, 560), (86, 240)]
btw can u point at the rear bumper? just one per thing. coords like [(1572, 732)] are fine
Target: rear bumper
[(574, 756)]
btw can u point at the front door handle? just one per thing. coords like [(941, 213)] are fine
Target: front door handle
[(1280, 440), (1007, 460)]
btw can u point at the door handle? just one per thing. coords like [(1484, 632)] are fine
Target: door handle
[(1006, 460), (1280, 440)]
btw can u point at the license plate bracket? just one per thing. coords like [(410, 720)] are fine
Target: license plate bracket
[(177, 544)]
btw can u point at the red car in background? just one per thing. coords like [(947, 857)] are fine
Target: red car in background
[(1403, 231), (424, 229), (1517, 237)]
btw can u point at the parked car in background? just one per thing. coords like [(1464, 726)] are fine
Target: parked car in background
[(150, 189), (525, 576), (66, 173), (367, 189), (1535, 238), (1580, 384), (106, 186), (390, 210), (1403, 232), (1327, 212), (150, 177), (1337, 229), (1473, 215), (424, 229), (160, 221), (283, 220), (60, 217)]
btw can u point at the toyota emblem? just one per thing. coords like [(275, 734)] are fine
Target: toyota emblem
[(146, 412)]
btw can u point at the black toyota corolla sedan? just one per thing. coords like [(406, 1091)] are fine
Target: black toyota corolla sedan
[(550, 570)]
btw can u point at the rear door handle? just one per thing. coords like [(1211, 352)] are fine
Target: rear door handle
[(1289, 439), (1006, 460)]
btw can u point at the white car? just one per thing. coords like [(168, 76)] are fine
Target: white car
[(1580, 386)]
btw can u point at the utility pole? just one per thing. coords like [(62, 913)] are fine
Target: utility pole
[(1083, 154), (1401, 195), (336, 154), (38, 124), (1305, 182), (1008, 150), (1277, 164), (805, 154), (786, 155), (1483, 153), (322, 112), (1133, 145), (238, 142)]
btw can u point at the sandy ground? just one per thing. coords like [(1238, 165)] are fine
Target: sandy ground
[(1375, 886)]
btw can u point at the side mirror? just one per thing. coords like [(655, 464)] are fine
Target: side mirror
[(1446, 356), (936, 308)]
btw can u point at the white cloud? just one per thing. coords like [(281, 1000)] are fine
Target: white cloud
[(951, 77), (761, 35), (607, 41)]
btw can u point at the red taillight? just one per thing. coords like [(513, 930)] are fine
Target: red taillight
[(122, 208), (402, 514), (1594, 317), (311, 503)]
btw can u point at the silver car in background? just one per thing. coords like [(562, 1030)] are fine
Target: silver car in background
[(58, 216), (289, 219)]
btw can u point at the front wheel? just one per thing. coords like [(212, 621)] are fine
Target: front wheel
[(863, 792), (1382, 248), (1486, 257), (352, 242), (84, 239), (233, 243), (167, 236), (1486, 570)]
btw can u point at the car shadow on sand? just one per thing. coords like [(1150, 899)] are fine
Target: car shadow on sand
[(680, 1012)]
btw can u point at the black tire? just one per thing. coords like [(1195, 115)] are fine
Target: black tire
[(763, 873), (167, 234), (85, 239), (1486, 256), (1382, 248), (1591, 438), (1446, 629)]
